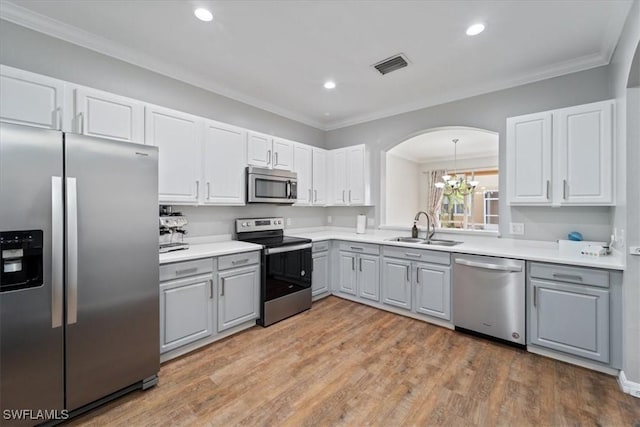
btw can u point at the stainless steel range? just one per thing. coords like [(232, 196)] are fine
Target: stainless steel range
[(286, 268)]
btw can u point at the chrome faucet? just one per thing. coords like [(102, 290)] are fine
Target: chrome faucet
[(430, 226)]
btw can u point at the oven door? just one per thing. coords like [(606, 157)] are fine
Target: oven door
[(270, 189), (287, 271)]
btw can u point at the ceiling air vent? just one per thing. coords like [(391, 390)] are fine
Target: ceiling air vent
[(391, 64)]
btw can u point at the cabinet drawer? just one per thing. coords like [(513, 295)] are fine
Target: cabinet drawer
[(562, 273), (361, 248), (433, 257), (320, 247), (238, 260), (185, 269)]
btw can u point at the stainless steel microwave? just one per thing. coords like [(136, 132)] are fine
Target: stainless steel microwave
[(271, 186)]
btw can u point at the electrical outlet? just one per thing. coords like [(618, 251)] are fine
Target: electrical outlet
[(329, 219), (516, 228), (288, 221), (371, 222)]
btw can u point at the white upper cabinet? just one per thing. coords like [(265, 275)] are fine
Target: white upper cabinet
[(529, 159), (30, 99), (266, 151), (338, 177), (178, 138), (106, 115), (303, 166), (349, 176), (585, 154), (319, 169), (225, 153), (259, 150), (282, 154), (561, 157)]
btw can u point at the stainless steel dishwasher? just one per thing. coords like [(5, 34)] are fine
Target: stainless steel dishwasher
[(489, 296)]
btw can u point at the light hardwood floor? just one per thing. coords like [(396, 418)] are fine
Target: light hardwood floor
[(342, 363)]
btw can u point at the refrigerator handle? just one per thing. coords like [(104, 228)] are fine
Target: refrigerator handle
[(57, 249), (72, 251)]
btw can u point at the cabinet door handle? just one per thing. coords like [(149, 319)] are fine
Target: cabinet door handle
[(535, 296), (222, 287), (349, 196), (548, 184), (315, 195), (417, 274), (210, 288), (567, 276), (408, 272), (309, 194), (343, 196), (81, 123), (353, 263), (565, 189), (197, 188), (275, 155), (208, 190), (360, 264), (268, 157), (192, 270)]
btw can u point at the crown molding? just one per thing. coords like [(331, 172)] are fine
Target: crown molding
[(556, 70), (24, 17)]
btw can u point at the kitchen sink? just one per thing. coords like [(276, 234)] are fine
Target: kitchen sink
[(434, 242), (407, 240), (440, 242)]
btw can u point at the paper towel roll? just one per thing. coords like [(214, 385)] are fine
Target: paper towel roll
[(361, 224)]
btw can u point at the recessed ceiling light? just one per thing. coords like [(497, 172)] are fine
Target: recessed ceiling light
[(203, 14), (329, 85), (475, 29), (327, 114)]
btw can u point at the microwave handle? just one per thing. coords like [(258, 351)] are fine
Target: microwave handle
[(292, 192)]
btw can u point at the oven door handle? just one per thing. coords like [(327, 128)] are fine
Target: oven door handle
[(271, 251)]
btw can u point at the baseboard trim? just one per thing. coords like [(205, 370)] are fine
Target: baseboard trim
[(627, 386)]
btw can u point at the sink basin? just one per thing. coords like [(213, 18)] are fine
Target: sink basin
[(440, 242), (407, 240)]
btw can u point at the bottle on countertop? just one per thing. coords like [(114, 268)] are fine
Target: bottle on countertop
[(414, 230)]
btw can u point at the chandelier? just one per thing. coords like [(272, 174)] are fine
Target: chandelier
[(456, 185)]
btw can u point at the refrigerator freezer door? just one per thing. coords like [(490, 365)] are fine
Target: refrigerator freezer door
[(31, 333), (112, 307)]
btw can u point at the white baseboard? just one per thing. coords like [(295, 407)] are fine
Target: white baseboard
[(627, 386)]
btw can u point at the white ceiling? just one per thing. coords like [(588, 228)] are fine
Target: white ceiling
[(437, 145), (277, 54)]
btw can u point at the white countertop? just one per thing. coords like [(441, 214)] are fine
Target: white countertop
[(207, 250), (530, 250)]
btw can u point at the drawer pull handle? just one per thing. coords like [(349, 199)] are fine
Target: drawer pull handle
[(356, 248), (412, 254), (186, 271), (240, 261), (567, 276)]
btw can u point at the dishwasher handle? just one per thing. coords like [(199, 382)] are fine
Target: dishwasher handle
[(487, 266)]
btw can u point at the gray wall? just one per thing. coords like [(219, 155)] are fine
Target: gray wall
[(490, 111), (626, 215)]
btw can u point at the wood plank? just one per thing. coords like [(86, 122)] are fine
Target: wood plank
[(343, 363)]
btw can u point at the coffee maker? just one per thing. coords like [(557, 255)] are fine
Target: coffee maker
[(172, 230)]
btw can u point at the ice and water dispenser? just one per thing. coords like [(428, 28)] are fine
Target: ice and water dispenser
[(20, 259)]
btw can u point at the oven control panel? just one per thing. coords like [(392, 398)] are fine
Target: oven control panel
[(259, 224)]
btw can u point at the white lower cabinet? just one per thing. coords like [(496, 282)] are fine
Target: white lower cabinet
[(567, 316), (185, 311), (320, 275), (238, 296), (433, 290), (359, 270), (421, 287)]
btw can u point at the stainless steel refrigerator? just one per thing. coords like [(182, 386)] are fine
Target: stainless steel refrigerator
[(79, 306)]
